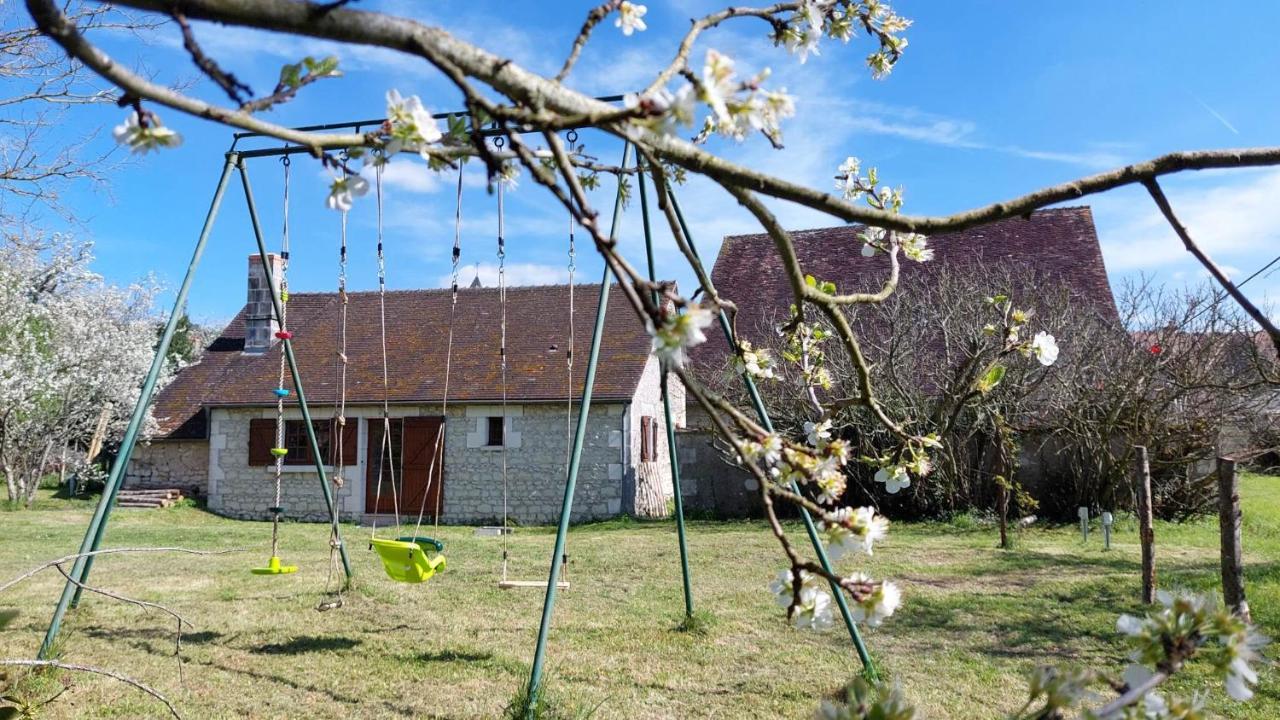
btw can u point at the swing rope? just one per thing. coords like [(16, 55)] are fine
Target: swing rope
[(572, 137), (502, 356), (384, 455), (502, 299), (339, 424), (448, 363), (279, 450)]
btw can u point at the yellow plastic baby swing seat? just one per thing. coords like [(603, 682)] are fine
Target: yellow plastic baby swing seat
[(405, 559)]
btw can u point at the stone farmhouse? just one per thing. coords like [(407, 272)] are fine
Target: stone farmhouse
[(1057, 247), (216, 419)]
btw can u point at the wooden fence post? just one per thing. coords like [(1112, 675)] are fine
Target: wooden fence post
[(1229, 522), (1146, 533)]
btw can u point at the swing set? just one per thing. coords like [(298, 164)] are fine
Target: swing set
[(415, 558)]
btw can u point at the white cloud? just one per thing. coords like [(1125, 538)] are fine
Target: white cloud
[(517, 274), (918, 125), (1229, 220), (411, 177)]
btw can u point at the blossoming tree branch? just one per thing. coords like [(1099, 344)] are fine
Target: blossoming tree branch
[(698, 93)]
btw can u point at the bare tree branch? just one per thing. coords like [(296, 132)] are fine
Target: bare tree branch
[(20, 662), (108, 551), (1162, 202)]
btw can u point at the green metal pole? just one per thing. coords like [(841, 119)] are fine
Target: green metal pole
[(756, 402), (293, 369), (575, 460), (97, 525), (666, 412)]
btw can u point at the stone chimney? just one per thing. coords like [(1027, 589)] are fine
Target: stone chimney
[(260, 323)]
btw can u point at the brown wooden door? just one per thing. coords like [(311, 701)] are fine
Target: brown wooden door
[(415, 443), (423, 466), (383, 464)]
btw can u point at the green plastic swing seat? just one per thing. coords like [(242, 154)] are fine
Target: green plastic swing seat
[(405, 559), (274, 568)]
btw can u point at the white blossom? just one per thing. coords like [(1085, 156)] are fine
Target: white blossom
[(847, 178), (629, 17), (680, 332), (829, 479), (916, 247), (741, 106), (894, 477), (671, 111), (756, 362), (410, 124), (71, 351), (849, 531), (814, 609), (141, 139), (817, 433), (717, 84), (1045, 348), (880, 603), (344, 190), (1245, 649), (1129, 625)]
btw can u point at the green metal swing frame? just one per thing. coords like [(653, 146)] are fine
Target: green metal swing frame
[(413, 556)]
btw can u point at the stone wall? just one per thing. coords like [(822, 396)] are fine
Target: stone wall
[(710, 486), (648, 401), (240, 491), (170, 463), (473, 487)]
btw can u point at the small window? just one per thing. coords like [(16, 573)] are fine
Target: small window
[(299, 446), (496, 436), (648, 438)]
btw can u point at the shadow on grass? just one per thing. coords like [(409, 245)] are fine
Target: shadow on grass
[(452, 656), (1051, 619), (306, 644), (469, 659), (363, 703)]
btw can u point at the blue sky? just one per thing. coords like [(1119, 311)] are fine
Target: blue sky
[(991, 100)]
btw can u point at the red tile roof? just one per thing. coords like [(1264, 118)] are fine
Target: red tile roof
[(1059, 245), (417, 334)]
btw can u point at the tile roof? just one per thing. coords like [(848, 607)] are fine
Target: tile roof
[(417, 333), (1060, 245)]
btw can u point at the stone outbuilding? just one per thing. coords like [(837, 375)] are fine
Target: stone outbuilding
[(1054, 248), (217, 419)]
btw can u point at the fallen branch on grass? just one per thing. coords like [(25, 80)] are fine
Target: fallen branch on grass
[(108, 551), (22, 662)]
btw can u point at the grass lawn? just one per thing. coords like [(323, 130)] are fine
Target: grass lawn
[(975, 618)]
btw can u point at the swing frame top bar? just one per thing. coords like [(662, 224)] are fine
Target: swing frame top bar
[(354, 125)]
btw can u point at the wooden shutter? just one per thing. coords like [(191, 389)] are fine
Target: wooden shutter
[(646, 438), (262, 437), (350, 434)]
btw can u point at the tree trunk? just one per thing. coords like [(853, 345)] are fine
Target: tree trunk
[(1146, 531), (1229, 522), (11, 483)]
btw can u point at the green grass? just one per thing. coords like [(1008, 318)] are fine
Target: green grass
[(975, 619)]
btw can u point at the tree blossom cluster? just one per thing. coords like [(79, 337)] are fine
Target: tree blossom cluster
[(839, 20), (71, 351)]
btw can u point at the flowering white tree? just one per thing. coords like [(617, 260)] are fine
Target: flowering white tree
[(71, 351), (702, 92)]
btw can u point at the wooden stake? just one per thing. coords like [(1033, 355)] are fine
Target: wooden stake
[(1146, 533), (1229, 522)]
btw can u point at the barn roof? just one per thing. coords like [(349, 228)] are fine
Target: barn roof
[(417, 334), (1058, 245)]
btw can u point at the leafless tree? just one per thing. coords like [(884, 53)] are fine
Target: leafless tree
[(38, 159)]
